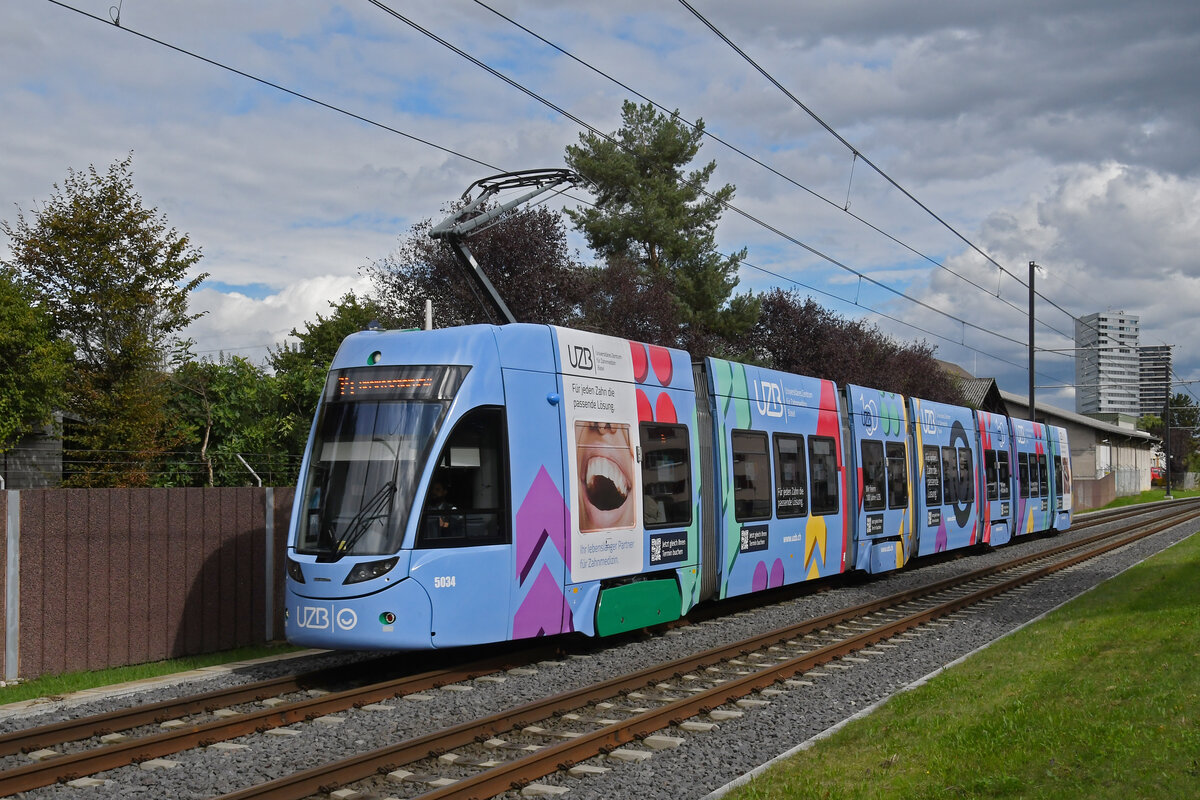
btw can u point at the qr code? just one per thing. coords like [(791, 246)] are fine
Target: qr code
[(745, 540), (655, 550)]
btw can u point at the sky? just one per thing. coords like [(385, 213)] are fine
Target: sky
[(901, 163)]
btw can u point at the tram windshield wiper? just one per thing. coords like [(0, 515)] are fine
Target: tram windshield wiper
[(374, 508)]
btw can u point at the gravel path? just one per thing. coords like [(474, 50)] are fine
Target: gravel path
[(703, 764)]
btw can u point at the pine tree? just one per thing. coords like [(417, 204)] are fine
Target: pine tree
[(650, 212)]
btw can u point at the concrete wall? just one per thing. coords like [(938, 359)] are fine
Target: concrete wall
[(1093, 493), (35, 462)]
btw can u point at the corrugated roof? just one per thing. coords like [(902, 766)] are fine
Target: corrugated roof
[(975, 390), (1078, 419)]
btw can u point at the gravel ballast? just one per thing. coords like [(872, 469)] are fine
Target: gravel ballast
[(702, 764)]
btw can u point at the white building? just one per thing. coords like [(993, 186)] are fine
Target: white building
[(1107, 364)]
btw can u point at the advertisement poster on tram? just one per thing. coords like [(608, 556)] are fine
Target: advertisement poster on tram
[(604, 475)]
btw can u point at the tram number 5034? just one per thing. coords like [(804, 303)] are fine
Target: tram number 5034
[(443, 582)]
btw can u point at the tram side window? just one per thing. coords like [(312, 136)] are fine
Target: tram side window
[(933, 475), (991, 474), (822, 459), (1023, 473), (950, 481), (966, 476), (791, 478), (466, 503), (1043, 476), (1003, 474), (897, 475), (666, 476), (874, 476), (751, 476)]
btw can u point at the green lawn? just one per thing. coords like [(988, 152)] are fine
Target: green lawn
[(56, 685), (1099, 700), (1152, 496)]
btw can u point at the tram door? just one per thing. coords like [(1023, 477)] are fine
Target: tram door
[(463, 552), (537, 564)]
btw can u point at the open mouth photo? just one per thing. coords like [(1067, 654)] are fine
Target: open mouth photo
[(605, 464)]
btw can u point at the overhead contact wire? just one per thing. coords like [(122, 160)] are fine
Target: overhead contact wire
[(817, 195), (770, 78), (581, 123)]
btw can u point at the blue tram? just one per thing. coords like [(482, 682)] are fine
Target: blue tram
[(487, 483)]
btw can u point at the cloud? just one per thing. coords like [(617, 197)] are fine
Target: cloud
[(238, 324), (1109, 236), (1056, 131)]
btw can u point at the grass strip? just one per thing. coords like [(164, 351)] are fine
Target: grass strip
[(1099, 700), (1151, 496), (51, 686)]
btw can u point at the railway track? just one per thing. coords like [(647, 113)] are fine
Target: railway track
[(487, 756), (562, 732)]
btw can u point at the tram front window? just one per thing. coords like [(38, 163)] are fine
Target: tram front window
[(370, 447)]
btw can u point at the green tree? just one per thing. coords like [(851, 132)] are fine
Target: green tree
[(795, 334), (623, 300), (115, 281), (300, 369), (651, 212), (33, 365), (1185, 428), (225, 409), (1151, 423)]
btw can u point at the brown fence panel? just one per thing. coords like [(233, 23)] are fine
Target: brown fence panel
[(158, 564), (138, 569), (123, 576), (283, 499)]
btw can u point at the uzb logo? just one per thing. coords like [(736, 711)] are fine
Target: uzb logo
[(319, 618), (929, 421), (870, 416), (769, 397), (580, 357)]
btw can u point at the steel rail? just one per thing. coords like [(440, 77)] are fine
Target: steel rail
[(520, 772), (1116, 514), (517, 773), (69, 766), (126, 718)]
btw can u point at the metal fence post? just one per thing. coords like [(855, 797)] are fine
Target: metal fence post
[(12, 589)]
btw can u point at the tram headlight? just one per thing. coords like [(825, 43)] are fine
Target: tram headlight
[(294, 571), (369, 570)]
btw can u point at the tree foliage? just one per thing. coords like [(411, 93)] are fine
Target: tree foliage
[(114, 280), (1185, 428), (224, 409), (653, 213), (621, 299), (795, 334), (33, 365), (110, 273), (300, 370), (525, 256)]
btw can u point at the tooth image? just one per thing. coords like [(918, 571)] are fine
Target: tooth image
[(607, 486)]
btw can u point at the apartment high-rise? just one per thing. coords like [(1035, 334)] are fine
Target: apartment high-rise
[(1107, 364), (1154, 373)]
